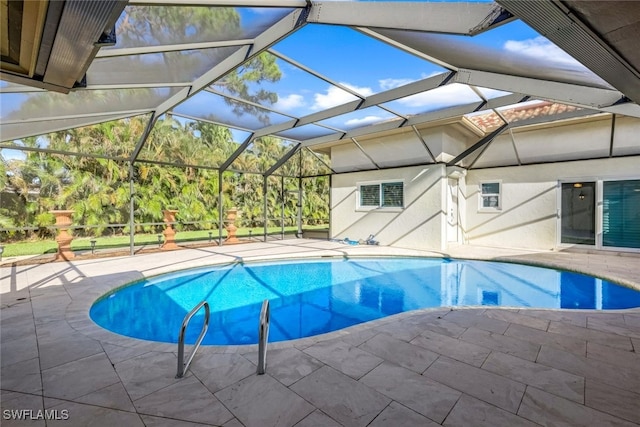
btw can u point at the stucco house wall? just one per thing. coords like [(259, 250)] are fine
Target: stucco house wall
[(530, 195), (417, 225), (530, 204)]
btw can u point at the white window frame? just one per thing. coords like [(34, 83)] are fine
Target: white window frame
[(481, 196), (380, 206)]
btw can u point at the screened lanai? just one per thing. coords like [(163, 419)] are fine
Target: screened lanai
[(271, 90)]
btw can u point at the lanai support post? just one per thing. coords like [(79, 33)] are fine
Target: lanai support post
[(132, 159), (300, 197), (282, 197), (220, 206), (131, 212), (266, 204)]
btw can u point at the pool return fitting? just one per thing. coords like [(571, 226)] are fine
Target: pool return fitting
[(263, 336), (183, 367)]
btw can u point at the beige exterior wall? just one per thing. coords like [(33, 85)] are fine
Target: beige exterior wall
[(419, 225), (529, 214), (528, 217)]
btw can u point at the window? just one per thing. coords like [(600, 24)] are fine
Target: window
[(490, 199), (381, 195), (370, 195), (392, 194)]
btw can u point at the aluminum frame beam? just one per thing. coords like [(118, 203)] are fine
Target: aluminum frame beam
[(314, 154), (110, 53), (484, 141), (566, 93), (452, 18), (123, 113), (364, 152), (443, 114), (143, 137), (281, 161), (373, 100), (62, 152), (236, 154)]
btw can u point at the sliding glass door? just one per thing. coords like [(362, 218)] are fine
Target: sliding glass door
[(578, 213), (602, 213), (621, 214)]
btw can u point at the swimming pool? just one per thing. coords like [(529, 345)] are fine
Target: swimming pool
[(312, 297)]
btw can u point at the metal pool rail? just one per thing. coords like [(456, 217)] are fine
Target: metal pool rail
[(183, 367), (263, 337)]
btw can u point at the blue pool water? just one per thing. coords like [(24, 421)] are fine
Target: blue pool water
[(317, 296)]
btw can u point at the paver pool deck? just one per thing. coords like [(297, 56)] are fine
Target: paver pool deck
[(466, 367)]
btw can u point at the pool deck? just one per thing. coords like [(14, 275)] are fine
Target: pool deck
[(467, 367)]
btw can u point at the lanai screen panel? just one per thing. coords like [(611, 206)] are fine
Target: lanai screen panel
[(349, 158), (362, 63), (315, 163), (305, 132), (142, 26), (289, 89), (270, 150), (229, 111), (399, 149), (495, 51), (359, 118), (156, 68), (183, 141), (112, 139), (500, 152), (625, 137), (291, 168), (52, 105), (569, 142), (12, 132), (306, 163), (262, 154), (435, 99), (491, 93)]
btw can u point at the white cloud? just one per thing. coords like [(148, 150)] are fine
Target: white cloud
[(260, 10), (386, 84), (363, 121), (289, 102), (365, 91), (335, 96), (452, 94), (541, 49)]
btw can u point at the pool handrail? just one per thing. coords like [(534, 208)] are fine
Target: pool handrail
[(263, 336), (183, 367)]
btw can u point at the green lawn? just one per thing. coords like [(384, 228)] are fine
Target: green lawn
[(41, 247)]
